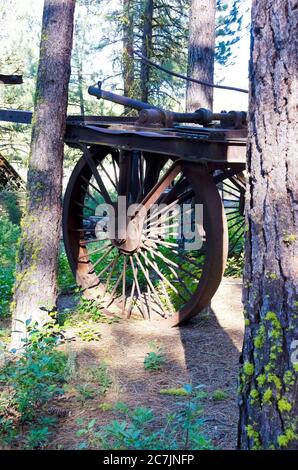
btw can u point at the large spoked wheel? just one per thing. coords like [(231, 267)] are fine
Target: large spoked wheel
[(169, 259)]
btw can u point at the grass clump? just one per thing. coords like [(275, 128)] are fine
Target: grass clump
[(219, 395)]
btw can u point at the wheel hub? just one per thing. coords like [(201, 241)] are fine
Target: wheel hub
[(131, 243)]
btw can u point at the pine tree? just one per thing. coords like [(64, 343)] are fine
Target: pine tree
[(35, 288), (268, 381)]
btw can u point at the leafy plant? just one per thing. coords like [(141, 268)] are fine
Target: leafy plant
[(235, 265), (155, 359), (87, 311), (85, 392), (100, 374), (66, 280), (89, 333), (37, 437), (139, 429), (29, 381)]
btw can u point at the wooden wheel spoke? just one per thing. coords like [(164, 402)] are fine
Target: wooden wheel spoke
[(94, 252), (161, 276), (106, 253), (135, 275), (110, 274), (97, 176), (153, 290)]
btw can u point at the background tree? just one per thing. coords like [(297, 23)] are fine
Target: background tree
[(35, 288), (201, 51), (268, 382)]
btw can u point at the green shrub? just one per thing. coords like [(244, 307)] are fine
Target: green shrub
[(27, 382), (9, 235), (155, 359)]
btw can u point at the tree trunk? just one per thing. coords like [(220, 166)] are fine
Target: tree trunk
[(128, 57), (201, 44), (35, 288), (146, 49), (268, 380)]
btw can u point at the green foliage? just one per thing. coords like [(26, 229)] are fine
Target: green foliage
[(9, 235), (106, 407), (37, 437), (219, 395), (101, 376), (85, 392), (66, 279), (86, 313), (26, 383), (154, 360), (10, 202), (235, 265), (89, 333), (139, 429), (229, 25)]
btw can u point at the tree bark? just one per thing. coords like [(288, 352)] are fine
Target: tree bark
[(268, 379), (201, 44), (146, 49), (128, 57), (35, 287)]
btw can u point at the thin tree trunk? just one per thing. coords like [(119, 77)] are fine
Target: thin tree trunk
[(201, 46), (146, 49), (128, 57), (81, 86), (35, 288), (268, 380)]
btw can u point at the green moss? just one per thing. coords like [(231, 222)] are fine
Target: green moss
[(288, 378), (254, 394), (261, 379), (272, 276), (284, 405), (252, 434), (248, 368), (247, 322), (267, 396), (260, 338), (295, 365), (289, 238), (272, 378), (289, 435), (272, 317)]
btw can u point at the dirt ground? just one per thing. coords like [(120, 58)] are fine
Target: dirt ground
[(204, 352)]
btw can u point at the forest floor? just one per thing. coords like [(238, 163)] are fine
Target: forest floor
[(205, 352)]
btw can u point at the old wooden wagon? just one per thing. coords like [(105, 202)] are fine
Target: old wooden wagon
[(164, 165)]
